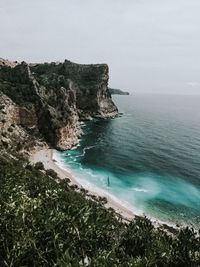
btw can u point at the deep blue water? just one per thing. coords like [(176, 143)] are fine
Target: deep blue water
[(151, 155)]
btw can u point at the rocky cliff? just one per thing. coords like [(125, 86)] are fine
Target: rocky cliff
[(49, 100)]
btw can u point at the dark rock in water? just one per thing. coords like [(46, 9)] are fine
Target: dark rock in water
[(117, 92), (52, 98)]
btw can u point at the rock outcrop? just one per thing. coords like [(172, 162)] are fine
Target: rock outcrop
[(9, 63), (49, 100), (117, 92), (17, 125)]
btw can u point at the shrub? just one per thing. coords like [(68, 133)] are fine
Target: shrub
[(52, 173), (67, 180), (39, 165), (45, 223)]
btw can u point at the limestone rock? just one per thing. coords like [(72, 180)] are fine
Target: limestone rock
[(8, 63), (53, 98)]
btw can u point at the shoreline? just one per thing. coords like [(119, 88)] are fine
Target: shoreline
[(46, 156)]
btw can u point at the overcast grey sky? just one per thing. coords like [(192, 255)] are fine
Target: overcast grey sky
[(150, 45)]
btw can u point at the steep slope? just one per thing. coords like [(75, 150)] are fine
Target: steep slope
[(52, 98)]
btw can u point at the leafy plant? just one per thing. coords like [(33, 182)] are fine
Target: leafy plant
[(44, 222)]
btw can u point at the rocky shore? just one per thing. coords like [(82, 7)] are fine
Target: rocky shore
[(46, 102)]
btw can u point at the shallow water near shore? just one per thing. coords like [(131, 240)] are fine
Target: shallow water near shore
[(151, 155)]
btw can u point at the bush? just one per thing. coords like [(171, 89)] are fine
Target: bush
[(67, 180), (52, 173), (45, 223), (137, 239), (39, 165)]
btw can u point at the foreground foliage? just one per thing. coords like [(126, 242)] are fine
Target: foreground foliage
[(44, 222)]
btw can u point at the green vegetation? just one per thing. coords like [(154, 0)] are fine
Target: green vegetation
[(54, 75), (43, 222)]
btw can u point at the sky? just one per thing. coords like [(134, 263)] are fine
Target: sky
[(150, 46)]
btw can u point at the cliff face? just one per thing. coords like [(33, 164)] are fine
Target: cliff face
[(50, 99), (88, 82)]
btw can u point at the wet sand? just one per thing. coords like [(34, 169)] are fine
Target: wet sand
[(46, 157)]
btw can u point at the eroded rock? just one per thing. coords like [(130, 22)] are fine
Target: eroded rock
[(53, 98)]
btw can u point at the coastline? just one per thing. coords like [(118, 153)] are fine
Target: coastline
[(45, 155)]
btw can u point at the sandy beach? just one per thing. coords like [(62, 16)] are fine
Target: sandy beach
[(46, 157)]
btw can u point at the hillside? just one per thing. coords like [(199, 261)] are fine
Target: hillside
[(49, 100), (46, 221)]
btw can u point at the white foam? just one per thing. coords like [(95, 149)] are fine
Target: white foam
[(140, 190), (101, 192), (60, 161), (87, 148), (81, 155), (93, 188), (74, 147)]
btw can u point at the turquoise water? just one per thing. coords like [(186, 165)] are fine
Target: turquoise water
[(151, 155)]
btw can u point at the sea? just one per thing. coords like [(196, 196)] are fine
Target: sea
[(147, 159)]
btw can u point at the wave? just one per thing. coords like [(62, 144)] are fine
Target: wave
[(101, 192), (91, 187), (56, 156), (88, 147), (140, 190), (146, 158), (82, 175)]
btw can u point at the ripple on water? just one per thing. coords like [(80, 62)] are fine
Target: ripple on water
[(151, 155)]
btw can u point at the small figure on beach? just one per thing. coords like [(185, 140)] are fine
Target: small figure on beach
[(108, 181)]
